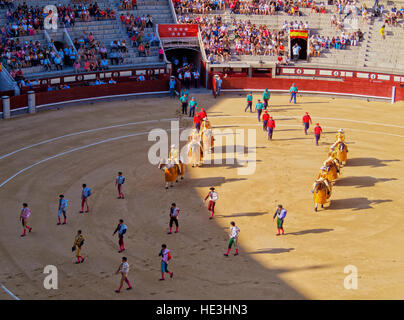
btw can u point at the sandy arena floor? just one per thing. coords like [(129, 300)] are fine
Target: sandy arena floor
[(362, 226)]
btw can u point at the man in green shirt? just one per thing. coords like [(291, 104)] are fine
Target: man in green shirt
[(184, 102), (265, 96), (192, 106), (293, 92), (259, 106), (249, 102)]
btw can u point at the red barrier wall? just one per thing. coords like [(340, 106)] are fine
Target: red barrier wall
[(353, 86), (101, 90)]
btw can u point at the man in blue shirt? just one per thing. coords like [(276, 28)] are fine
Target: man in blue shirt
[(62, 208), (121, 229), (249, 102), (172, 87)]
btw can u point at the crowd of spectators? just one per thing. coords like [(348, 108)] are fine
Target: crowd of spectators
[(257, 40), (141, 38)]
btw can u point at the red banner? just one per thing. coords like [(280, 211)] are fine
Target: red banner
[(178, 30)]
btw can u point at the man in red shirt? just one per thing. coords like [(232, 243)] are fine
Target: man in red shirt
[(202, 114), (317, 132), (197, 122), (306, 122), (271, 127), (265, 118)]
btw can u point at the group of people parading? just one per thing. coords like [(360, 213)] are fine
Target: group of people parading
[(329, 172)]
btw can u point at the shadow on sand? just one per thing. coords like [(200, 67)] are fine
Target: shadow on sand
[(361, 182), (355, 203), (371, 162), (309, 231)]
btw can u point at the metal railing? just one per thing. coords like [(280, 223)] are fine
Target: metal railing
[(173, 13)]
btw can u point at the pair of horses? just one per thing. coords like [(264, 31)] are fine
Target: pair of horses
[(198, 145), (322, 187)]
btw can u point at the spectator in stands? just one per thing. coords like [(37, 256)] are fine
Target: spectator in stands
[(104, 64), (141, 78), (76, 66), (111, 81), (141, 50), (161, 54)]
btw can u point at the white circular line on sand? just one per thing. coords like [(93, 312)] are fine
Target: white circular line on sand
[(80, 132)]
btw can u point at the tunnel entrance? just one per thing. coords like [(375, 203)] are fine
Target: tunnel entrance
[(182, 57)]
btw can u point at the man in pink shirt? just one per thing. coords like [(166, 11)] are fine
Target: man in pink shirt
[(24, 216)]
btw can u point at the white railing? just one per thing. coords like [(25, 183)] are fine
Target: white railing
[(201, 46), (161, 44), (9, 80), (173, 13)]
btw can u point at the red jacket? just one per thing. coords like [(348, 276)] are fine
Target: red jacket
[(306, 118), (271, 124), (265, 117), (197, 119), (317, 130)]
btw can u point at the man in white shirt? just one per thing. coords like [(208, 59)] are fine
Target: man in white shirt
[(123, 270), (212, 196), (234, 232)]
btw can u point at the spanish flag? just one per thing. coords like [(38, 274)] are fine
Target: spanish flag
[(302, 34)]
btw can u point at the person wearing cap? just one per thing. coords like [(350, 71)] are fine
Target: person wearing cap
[(280, 215), (212, 196), (271, 127), (265, 118), (197, 122), (62, 208), (306, 122), (265, 96), (293, 92), (192, 107), (172, 87), (249, 102), (317, 132), (258, 107), (184, 103)]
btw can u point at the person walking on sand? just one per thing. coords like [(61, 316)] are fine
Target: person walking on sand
[(165, 257), (174, 213), (234, 232), (317, 132), (24, 216), (306, 122), (249, 102), (271, 127), (123, 269), (265, 96), (77, 246), (212, 196), (293, 92), (121, 229), (265, 118), (62, 208), (280, 215), (85, 193), (119, 181), (258, 107)]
